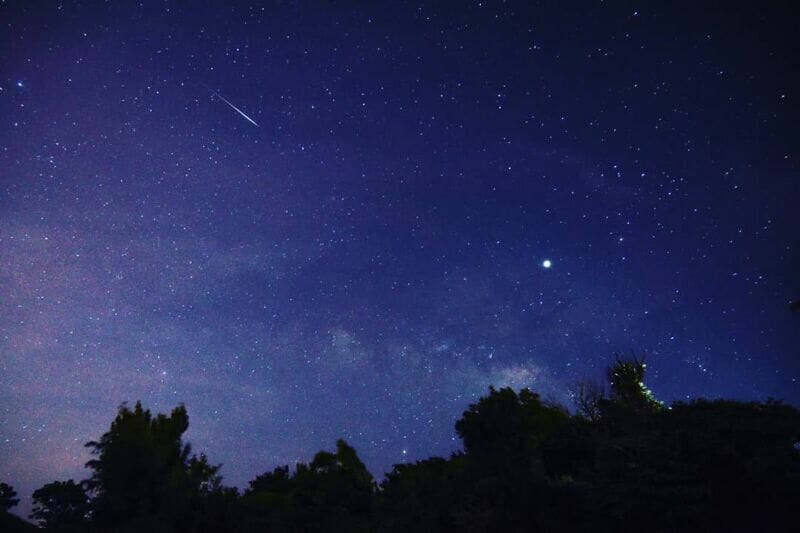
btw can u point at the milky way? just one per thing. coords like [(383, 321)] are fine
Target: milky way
[(438, 199)]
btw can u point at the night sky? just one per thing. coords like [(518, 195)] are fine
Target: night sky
[(307, 221)]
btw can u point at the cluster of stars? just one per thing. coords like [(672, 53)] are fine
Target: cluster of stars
[(390, 209)]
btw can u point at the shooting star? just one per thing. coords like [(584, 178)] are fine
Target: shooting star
[(250, 120)]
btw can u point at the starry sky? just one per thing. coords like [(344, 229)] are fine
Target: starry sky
[(308, 221)]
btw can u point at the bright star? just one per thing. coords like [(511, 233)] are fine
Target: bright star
[(547, 263)]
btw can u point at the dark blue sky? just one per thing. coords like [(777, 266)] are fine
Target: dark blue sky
[(367, 260)]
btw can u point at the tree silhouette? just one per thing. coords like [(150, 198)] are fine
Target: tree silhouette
[(8, 497), (588, 398), (10, 523), (626, 378), (143, 475), (424, 496), (507, 426), (505, 435), (276, 481), (335, 492), (61, 506), (630, 464), (624, 462)]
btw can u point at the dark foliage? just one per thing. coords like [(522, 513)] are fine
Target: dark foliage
[(145, 478), (335, 492), (623, 462), (8, 497), (10, 523), (61, 506)]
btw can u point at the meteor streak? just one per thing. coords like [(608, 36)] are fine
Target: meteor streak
[(250, 120)]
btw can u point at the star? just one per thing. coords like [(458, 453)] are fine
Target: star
[(159, 248)]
